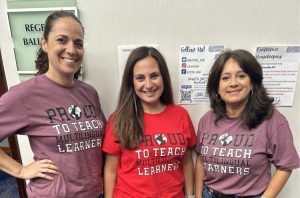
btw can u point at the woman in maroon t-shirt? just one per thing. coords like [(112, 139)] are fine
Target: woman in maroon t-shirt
[(242, 135)]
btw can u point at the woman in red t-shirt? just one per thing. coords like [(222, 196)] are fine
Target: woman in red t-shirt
[(148, 139)]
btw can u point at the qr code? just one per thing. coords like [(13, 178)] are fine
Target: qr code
[(186, 95)]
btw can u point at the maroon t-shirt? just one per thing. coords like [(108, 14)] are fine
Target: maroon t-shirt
[(238, 161), (155, 168), (63, 124)]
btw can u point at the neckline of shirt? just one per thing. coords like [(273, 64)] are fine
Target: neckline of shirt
[(44, 77), (157, 114)]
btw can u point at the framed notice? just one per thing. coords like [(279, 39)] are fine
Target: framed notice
[(26, 29)]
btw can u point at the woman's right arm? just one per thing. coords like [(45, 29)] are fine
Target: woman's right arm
[(41, 168), (199, 174), (110, 174)]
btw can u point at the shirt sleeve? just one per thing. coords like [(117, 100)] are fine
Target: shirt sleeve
[(191, 132), (199, 134), (282, 151), (101, 114), (13, 114), (111, 144)]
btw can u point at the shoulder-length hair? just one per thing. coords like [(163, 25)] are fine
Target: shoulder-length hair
[(128, 120), (259, 105)]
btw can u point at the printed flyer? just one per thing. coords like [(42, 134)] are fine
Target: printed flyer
[(280, 69), (195, 62)]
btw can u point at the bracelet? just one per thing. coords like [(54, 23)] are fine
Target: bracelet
[(189, 196)]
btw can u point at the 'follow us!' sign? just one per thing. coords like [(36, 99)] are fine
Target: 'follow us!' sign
[(26, 27)]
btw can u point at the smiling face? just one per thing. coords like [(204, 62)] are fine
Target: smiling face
[(234, 85), (148, 83), (64, 48)]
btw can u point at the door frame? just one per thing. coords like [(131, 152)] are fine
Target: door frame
[(12, 140)]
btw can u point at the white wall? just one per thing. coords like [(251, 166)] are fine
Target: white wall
[(170, 23), (10, 69)]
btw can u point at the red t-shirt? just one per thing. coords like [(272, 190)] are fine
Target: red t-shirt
[(155, 168)]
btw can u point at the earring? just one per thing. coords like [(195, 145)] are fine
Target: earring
[(135, 104), (218, 97), (251, 93)]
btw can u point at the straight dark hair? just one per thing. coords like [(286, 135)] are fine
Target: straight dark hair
[(259, 106), (128, 117)]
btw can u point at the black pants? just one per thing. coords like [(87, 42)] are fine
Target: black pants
[(209, 193)]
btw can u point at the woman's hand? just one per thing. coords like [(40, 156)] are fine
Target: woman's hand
[(40, 168)]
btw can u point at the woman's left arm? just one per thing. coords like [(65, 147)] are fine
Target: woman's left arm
[(188, 171), (277, 182)]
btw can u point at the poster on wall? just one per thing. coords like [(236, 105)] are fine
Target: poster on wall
[(280, 69), (26, 28), (195, 62), (123, 53)]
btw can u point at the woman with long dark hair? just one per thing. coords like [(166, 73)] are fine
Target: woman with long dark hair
[(148, 139)]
